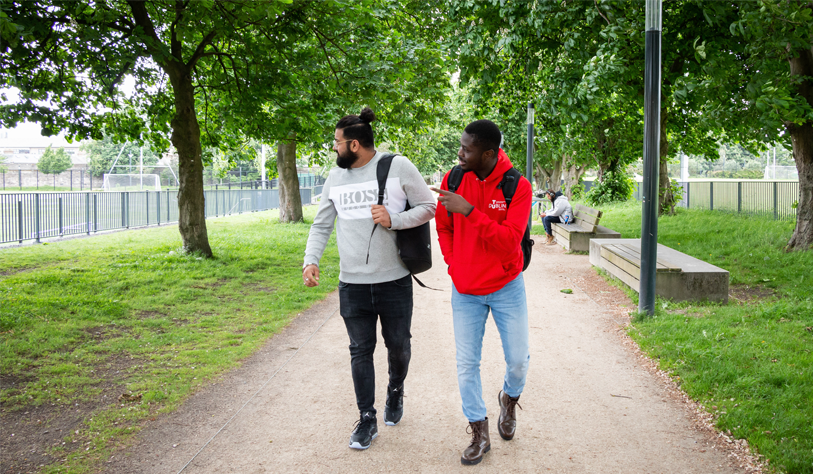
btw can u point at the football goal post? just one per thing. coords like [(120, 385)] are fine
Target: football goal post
[(132, 182)]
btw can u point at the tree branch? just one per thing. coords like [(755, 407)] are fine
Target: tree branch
[(215, 53), (328, 39), (120, 75), (226, 69), (142, 19), (329, 63), (81, 21), (174, 44), (199, 51), (599, 12)]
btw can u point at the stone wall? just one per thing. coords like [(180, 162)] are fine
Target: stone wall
[(79, 180)]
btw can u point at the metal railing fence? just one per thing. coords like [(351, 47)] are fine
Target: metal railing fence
[(35, 216), (755, 197), (82, 180)]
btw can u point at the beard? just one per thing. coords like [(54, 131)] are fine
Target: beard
[(347, 159)]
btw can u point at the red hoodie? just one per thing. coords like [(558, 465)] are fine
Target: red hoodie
[(483, 250)]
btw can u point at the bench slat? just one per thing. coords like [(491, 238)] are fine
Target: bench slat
[(629, 255), (662, 263), (579, 226), (590, 219), (587, 210), (623, 263), (633, 256)]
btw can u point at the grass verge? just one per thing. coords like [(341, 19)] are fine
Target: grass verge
[(99, 335), (748, 362)]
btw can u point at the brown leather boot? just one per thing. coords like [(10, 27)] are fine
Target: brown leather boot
[(507, 423), (550, 240), (480, 443)]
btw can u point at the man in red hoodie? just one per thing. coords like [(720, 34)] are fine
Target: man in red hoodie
[(480, 239)]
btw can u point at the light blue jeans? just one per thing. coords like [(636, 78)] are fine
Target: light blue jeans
[(510, 312)]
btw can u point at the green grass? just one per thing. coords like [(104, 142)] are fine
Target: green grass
[(749, 362), (132, 312)]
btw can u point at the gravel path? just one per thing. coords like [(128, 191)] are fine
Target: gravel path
[(591, 404)]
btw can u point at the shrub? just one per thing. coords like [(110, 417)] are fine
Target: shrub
[(613, 187), (578, 190)]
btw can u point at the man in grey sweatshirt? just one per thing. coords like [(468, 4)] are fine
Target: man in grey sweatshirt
[(373, 281)]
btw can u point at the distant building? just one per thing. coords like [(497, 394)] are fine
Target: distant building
[(24, 151)]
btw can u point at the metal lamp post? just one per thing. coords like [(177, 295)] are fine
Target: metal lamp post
[(529, 168), (263, 166), (652, 125)]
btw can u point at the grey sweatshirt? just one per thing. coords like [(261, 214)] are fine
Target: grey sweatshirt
[(561, 208), (349, 195)]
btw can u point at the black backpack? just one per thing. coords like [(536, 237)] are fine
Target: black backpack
[(415, 244), (508, 185)]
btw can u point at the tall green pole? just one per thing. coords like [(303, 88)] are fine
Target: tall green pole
[(652, 135), (529, 167)]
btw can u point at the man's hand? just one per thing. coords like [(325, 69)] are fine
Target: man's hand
[(310, 275), (543, 215), (453, 202), (381, 216)]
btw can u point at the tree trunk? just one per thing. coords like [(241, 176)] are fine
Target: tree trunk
[(185, 130), (541, 175), (802, 139), (290, 202), (550, 178), (605, 150), (666, 201), (572, 174), (186, 139)]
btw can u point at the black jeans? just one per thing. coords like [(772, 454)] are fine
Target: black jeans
[(361, 305), (548, 220)]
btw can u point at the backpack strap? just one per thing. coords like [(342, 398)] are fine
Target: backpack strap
[(454, 180), (381, 172), (422, 285), (509, 183)]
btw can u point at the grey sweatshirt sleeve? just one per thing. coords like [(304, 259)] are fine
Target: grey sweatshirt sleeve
[(421, 200), (558, 208), (321, 228)]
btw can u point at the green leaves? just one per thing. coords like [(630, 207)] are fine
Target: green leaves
[(54, 161), (260, 69)]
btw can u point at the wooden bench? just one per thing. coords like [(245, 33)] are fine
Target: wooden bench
[(678, 277), (576, 236)]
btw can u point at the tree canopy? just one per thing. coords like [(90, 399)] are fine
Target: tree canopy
[(54, 161), (735, 71), (210, 73), (215, 74), (762, 86)]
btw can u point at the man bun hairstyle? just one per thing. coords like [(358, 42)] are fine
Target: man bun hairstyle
[(485, 134), (367, 115), (357, 127)]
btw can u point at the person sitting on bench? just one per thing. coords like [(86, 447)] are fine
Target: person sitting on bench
[(561, 213)]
